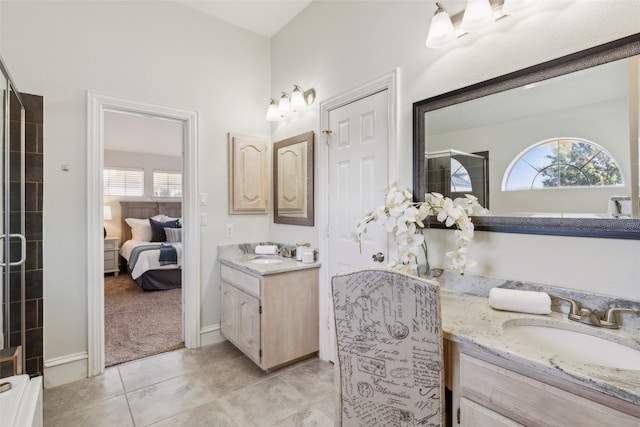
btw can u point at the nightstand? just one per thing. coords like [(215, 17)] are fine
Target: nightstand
[(111, 264)]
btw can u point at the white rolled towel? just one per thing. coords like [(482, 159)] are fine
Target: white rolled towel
[(266, 250), (520, 301)]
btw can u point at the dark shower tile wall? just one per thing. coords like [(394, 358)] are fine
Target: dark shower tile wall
[(33, 298)]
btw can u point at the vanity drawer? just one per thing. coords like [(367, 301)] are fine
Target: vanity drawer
[(530, 401), (241, 280)]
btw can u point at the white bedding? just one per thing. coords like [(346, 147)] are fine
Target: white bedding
[(148, 260)]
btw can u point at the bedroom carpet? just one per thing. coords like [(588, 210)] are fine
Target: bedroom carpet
[(137, 323)]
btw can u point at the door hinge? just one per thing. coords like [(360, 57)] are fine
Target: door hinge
[(327, 134), (260, 353), (260, 310), (458, 416)]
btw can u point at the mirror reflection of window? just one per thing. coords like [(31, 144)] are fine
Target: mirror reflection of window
[(460, 179), (566, 162)]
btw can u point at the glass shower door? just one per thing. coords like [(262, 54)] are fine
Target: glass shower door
[(5, 312), (12, 226)]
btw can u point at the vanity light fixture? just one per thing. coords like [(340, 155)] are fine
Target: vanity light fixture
[(286, 105), (441, 31), (301, 98), (272, 111), (476, 15)]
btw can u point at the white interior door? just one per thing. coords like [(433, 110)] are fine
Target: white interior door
[(358, 173)]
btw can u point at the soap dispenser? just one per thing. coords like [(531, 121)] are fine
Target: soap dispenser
[(300, 247)]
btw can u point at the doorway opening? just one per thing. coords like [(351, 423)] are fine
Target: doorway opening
[(142, 195), (100, 107)]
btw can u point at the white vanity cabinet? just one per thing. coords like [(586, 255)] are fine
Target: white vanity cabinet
[(488, 391), (272, 318)]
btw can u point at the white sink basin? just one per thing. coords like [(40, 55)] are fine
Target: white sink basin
[(578, 344), (266, 260)]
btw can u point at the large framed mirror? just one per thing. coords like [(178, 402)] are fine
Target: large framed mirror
[(293, 180), (550, 149)]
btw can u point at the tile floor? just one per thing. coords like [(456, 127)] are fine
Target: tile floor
[(212, 386)]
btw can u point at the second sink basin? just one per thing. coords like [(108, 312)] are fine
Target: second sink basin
[(574, 342)]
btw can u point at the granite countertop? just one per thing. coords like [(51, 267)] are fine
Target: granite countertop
[(470, 321), (240, 256)]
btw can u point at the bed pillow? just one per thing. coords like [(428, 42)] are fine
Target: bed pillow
[(140, 229), (174, 235), (157, 229)]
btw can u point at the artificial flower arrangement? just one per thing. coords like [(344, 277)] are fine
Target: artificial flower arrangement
[(406, 219)]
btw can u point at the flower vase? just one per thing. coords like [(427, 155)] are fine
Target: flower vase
[(424, 270)]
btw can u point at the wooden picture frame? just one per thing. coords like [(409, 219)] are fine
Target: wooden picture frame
[(293, 180)]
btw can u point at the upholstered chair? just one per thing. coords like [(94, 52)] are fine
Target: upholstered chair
[(389, 342)]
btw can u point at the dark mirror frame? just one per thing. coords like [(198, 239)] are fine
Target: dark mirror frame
[(282, 219), (619, 228)]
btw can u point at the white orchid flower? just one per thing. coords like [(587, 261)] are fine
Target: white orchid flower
[(404, 217), (398, 210), (413, 214)]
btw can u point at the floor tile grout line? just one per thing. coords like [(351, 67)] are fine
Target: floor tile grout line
[(189, 372), (126, 397)]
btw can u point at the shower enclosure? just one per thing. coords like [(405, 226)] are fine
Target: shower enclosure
[(12, 227)]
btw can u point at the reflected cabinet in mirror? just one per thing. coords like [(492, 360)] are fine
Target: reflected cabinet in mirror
[(293, 180), (551, 149)]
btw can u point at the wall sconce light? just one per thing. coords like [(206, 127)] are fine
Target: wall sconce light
[(286, 105), (272, 111), (445, 29), (477, 14)]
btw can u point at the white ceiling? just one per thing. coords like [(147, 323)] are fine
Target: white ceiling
[(264, 17), (142, 134)]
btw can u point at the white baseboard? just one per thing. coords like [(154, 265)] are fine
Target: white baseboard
[(211, 335), (65, 369)]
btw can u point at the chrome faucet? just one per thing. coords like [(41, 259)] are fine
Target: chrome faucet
[(588, 317)]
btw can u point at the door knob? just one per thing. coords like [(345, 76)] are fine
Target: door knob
[(379, 257)]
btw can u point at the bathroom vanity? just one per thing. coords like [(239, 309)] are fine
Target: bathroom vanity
[(269, 307), (501, 376)]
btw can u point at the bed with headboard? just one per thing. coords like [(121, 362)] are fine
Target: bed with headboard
[(141, 246)]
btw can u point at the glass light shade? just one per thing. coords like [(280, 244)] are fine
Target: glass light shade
[(511, 7), (477, 14), (297, 98), (441, 31), (272, 111), (284, 106), (107, 213)]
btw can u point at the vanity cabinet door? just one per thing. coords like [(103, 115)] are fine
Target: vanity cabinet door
[(530, 401), (228, 312), (249, 325)]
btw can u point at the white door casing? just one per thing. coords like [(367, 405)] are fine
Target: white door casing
[(97, 105), (361, 160)]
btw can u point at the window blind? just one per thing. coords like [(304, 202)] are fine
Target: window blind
[(167, 184), (123, 182)]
